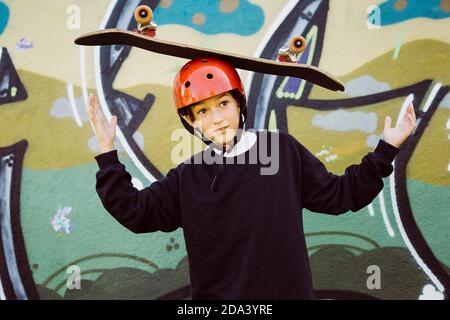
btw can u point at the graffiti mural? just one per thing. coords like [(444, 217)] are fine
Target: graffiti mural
[(11, 88), (57, 240)]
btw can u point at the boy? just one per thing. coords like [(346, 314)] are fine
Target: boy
[(243, 228)]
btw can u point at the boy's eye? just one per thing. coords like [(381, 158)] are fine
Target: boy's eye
[(201, 111), (224, 102)]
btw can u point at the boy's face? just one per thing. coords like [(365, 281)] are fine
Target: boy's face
[(215, 113)]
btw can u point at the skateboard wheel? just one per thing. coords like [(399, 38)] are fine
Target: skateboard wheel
[(143, 14), (297, 44)]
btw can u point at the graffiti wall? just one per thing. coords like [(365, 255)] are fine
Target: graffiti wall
[(58, 242)]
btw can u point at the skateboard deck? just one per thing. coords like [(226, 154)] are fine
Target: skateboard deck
[(124, 37)]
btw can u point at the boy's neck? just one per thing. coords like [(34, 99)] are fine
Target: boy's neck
[(228, 147)]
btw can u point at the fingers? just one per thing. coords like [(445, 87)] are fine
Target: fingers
[(411, 115), (410, 109), (95, 112), (387, 122), (89, 109), (413, 112), (92, 106), (412, 119), (114, 120), (93, 102)]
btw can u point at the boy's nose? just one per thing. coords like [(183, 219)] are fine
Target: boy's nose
[(217, 116)]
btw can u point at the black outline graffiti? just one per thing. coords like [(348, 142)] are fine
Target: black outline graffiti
[(17, 150), (8, 74)]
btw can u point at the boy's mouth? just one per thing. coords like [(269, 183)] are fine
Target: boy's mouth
[(220, 130)]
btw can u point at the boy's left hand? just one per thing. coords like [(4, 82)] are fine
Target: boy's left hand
[(396, 136)]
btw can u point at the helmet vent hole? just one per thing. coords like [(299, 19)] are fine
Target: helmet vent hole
[(209, 76), (187, 84), (204, 60)]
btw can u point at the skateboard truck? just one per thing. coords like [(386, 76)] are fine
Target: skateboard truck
[(291, 53), (144, 18)]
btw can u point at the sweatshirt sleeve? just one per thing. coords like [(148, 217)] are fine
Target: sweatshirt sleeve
[(151, 209), (325, 192)]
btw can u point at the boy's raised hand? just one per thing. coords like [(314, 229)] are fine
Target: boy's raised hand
[(396, 136), (104, 130)]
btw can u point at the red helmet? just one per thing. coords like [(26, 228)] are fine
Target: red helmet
[(203, 78)]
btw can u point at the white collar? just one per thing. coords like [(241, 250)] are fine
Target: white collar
[(248, 139)]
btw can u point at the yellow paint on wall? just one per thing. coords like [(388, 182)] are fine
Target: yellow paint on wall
[(430, 160), (349, 43), (56, 56), (44, 23), (143, 67), (349, 146), (419, 60), (54, 143)]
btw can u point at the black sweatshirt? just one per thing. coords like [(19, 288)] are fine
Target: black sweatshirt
[(245, 239)]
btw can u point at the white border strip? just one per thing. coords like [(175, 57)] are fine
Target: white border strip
[(431, 97), (73, 105), (384, 215), (84, 90), (2, 293), (371, 210)]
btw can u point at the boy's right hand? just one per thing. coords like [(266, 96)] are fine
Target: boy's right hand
[(104, 130)]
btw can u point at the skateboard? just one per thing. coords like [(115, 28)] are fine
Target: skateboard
[(144, 37)]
